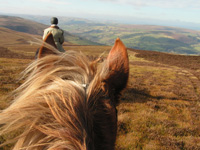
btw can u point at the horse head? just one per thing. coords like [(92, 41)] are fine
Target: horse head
[(68, 102)]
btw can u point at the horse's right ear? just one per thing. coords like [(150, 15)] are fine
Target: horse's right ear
[(118, 64), (47, 47)]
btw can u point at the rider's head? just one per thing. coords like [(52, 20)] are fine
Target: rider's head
[(54, 20)]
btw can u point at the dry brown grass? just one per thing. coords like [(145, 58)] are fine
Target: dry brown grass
[(160, 108), (159, 124), (10, 70)]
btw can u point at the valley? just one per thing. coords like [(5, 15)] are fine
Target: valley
[(154, 38), (86, 32)]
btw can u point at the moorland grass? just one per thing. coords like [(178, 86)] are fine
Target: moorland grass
[(157, 110)]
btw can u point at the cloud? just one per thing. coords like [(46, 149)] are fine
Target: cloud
[(57, 2), (159, 3)]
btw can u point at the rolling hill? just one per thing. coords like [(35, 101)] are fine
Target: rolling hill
[(32, 27), (22, 25)]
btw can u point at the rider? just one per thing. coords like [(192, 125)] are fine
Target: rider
[(58, 34)]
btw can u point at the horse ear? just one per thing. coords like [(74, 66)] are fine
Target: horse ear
[(47, 46), (118, 63)]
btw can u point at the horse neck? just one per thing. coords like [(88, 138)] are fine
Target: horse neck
[(56, 109)]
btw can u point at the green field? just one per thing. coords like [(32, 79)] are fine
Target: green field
[(155, 38)]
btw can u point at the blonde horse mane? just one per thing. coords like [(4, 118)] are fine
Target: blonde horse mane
[(56, 106)]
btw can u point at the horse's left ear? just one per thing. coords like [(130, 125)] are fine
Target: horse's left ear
[(118, 66), (47, 46)]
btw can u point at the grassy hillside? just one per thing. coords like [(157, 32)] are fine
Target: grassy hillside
[(18, 42), (32, 27), (159, 110), (22, 25)]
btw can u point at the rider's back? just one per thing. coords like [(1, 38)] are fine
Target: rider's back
[(57, 35)]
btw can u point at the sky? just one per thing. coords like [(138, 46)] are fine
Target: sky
[(125, 11)]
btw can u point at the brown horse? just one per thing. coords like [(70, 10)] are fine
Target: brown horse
[(67, 102)]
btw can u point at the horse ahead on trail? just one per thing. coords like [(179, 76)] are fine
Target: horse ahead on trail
[(67, 102)]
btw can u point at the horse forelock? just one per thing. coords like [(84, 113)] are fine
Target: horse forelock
[(52, 106)]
